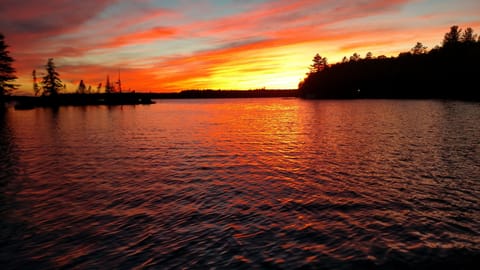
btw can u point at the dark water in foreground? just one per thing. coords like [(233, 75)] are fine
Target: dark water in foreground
[(242, 184)]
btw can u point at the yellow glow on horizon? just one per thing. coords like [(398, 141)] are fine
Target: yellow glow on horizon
[(281, 67), (275, 65)]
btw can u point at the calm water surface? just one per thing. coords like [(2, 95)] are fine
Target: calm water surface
[(242, 184)]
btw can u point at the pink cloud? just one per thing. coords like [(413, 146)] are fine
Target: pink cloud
[(46, 18), (270, 17)]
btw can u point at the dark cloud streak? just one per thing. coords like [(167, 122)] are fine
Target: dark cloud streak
[(48, 17)]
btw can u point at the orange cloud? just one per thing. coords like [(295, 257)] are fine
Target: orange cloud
[(149, 35)]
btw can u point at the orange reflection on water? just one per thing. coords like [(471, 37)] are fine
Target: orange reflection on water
[(276, 182)]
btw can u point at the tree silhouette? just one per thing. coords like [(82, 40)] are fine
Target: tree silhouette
[(81, 87), (108, 86), (468, 36), (51, 82), (417, 73), (36, 88), (418, 49), (7, 72), (452, 38), (319, 64), (355, 57)]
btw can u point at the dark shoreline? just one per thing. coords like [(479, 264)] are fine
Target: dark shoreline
[(30, 102), (260, 93), (132, 98), (113, 99)]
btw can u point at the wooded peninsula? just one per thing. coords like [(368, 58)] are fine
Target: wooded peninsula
[(445, 72)]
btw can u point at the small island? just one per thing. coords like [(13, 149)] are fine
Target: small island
[(74, 99)]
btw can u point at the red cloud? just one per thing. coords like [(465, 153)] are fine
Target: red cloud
[(142, 37)]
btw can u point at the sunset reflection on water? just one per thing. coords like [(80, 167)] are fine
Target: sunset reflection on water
[(242, 183)]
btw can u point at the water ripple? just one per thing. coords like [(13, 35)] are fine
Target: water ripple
[(242, 184)]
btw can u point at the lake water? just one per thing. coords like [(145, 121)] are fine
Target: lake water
[(242, 184)]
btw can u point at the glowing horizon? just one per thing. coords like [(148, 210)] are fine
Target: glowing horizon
[(168, 46)]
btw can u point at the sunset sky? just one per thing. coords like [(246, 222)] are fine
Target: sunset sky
[(168, 46)]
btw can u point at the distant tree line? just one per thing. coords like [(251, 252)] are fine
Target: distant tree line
[(449, 71), (257, 93)]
